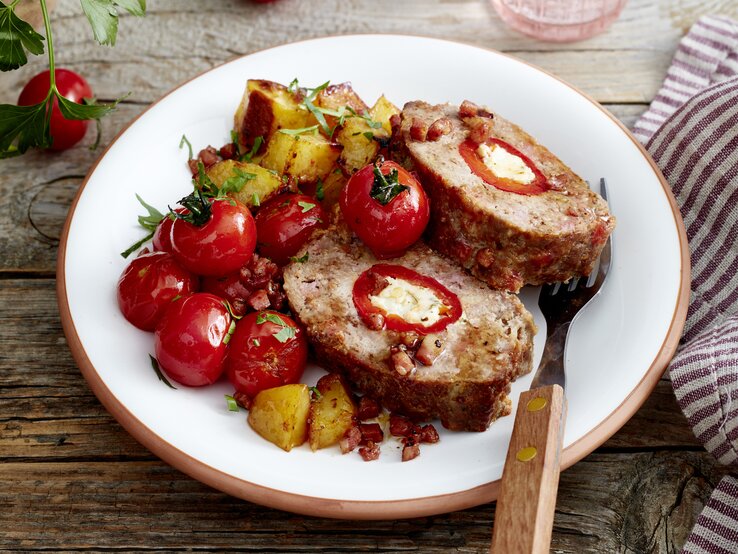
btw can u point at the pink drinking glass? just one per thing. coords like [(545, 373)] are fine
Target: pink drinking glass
[(559, 20)]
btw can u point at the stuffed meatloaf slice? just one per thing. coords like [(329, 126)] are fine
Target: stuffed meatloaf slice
[(349, 303), (502, 205)]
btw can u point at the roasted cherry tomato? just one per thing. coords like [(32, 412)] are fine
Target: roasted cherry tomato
[(386, 207), (219, 241), (162, 239), (190, 340), (401, 299), (64, 132), (284, 223), (469, 150), (268, 349), (149, 284)]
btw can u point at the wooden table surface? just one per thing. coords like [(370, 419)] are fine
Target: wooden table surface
[(72, 479)]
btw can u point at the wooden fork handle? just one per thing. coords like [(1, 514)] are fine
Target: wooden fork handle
[(525, 507)]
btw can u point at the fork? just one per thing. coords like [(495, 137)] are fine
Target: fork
[(527, 500)]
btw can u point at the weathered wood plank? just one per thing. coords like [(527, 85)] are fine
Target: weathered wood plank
[(607, 503)]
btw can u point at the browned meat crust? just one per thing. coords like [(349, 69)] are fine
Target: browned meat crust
[(466, 386), (506, 239)]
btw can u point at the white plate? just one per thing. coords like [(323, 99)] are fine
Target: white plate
[(616, 353)]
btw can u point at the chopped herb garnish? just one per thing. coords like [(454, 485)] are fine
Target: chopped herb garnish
[(313, 129), (316, 393), (256, 342), (235, 182), (294, 86), (189, 146), (319, 192), (255, 200), (306, 206), (176, 298), (231, 329), (148, 222), (258, 141), (263, 317), (285, 334), (369, 121), (302, 259), (386, 187), (159, 374), (369, 135), (231, 403), (228, 307)]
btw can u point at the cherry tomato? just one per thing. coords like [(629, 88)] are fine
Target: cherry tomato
[(64, 132), (149, 284), (372, 281), (222, 245), (468, 151), (162, 239), (285, 223), (267, 350), (388, 229), (190, 340)]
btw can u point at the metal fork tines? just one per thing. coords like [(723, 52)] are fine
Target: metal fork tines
[(560, 303)]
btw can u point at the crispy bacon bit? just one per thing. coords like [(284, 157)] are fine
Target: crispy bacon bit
[(401, 360), (400, 426), (395, 122), (351, 439), (228, 151), (480, 130), (410, 339), (207, 156), (375, 321), (468, 109), (259, 300), (418, 130), (371, 433), (429, 434), (485, 257), (438, 128), (368, 408), (431, 347), (410, 451), (369, 452), (242, 400)]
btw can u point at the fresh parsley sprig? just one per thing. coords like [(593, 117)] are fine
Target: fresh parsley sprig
[(24, 127), (286, 332)]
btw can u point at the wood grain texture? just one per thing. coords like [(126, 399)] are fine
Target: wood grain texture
[(72, 479), (525, 506)]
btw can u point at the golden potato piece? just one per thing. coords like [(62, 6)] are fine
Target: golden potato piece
[(256, 190), (280, 415), (332, 187), (335, 97), (381, 112), (361, 144), (331, 414), (305, 157), (267, 106)]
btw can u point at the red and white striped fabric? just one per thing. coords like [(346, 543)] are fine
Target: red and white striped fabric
[(691, 130)]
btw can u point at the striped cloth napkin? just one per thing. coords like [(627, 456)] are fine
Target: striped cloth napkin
[(691, 130)]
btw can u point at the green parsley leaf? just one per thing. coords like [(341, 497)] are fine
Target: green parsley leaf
[(235, 182), (313, 129), (189, 146), (386, 187), (369, 135), (263, 317), (256, 342), (316, 393), (159, 374), (136, 245), (231, 403), (72, 110), (306, 206), (204, 184), (16, 37), (103, 16), (319, 192), (302, 259), (26, 126), (255, 200), (258, 141), (285, 334), (154, 217), (294, 85)]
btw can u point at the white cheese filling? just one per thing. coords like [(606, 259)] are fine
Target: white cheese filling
[(412, 303), (505, 165)]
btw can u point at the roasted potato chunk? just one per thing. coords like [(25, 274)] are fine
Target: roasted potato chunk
[(305, 157), (256, 190), (267, 106), (360, 144), (332, 187), (335, 97), (280, 415), (331, 414), (381, 112)]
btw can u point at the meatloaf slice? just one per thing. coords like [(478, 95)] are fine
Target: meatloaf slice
[(505, 238), (466, 386)]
